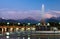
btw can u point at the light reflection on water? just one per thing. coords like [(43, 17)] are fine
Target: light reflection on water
[(30, 38), (7, 37), (18, 38), (23, 37)]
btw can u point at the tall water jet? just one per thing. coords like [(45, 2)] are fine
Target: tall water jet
[(42, 12)]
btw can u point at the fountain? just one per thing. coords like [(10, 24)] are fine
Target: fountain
[(42, 20)]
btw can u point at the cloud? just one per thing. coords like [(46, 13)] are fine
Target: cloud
[(18, 14), (57, 12), (54, 12), (49, 15)]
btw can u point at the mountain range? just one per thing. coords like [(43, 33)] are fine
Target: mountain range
[(53, 19), (31, 20)]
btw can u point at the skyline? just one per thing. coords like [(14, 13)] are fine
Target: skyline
[(20, 9)]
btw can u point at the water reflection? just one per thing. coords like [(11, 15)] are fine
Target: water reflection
[(39, 38), (18, 38), (28, 37), (7, 37), (23, 37)]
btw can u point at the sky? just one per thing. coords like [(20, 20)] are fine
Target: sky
[(20, 9)]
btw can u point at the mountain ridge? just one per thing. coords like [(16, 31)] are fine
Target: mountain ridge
[(31, 20)]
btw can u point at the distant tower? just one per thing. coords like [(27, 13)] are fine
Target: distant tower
[(42, 20)]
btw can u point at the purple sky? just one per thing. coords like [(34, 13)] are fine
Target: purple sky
[(20, 9), (18, 14)]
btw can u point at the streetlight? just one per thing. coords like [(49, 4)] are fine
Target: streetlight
[(18, 23), (59, 23), (8, 23), (48, 24), (28, 23), (39, 24)]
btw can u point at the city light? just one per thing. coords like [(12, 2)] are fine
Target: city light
[(7, 37), (39, 24), (59, 22), (28, 37), (22, 29), (48, 24), (8, 23), (18, 23), (7, 33), (11, 29), (32, 28), (28, 29), (28, 23), (55, 28), (23, 37), (17, 29), (5, 29)]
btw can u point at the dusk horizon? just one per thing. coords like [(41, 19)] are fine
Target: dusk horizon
[(29, 19), (13, 9)]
